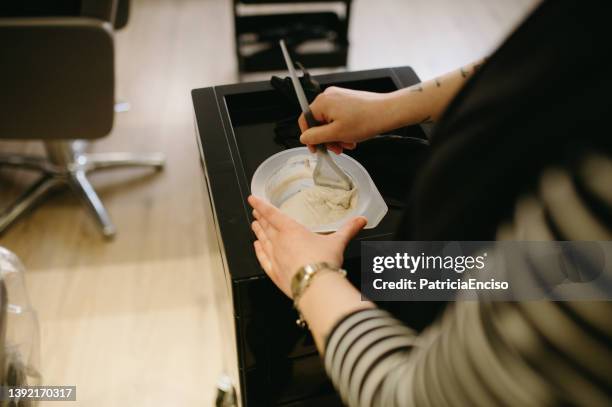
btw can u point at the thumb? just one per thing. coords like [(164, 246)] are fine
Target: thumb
[(350, 229), (321, 134)]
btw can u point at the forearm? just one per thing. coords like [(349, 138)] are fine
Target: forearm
[(328, 298), (425, 102)]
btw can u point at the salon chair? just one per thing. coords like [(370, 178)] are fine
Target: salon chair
[(57, 86)]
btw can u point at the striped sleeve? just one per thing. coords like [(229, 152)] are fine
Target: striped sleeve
[(494, 353), (361, 352)]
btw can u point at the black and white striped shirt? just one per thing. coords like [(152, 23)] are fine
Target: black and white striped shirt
[(496, 353)]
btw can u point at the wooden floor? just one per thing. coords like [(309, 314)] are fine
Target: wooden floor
[(132, 322)]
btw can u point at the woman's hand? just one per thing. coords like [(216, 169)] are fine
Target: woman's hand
[(283, 245), (350, 115)]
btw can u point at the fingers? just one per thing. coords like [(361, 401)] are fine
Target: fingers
[(264, 223), (259, 232), (272, 215), (262, 257), (317, 109), (268, 229), (350, 229), (264, 254), (335, 147), (256, 214), (263, 239), (302, 123), (320, 134)]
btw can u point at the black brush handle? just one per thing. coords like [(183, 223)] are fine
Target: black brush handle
[(310, 120)]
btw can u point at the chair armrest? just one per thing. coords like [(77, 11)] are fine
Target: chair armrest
[(57, 78)]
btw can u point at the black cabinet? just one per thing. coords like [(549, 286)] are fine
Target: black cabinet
[(271, 360)]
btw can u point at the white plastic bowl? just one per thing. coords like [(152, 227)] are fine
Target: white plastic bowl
[(287, 168)]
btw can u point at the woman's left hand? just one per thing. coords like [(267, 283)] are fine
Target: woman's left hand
[(283, 245)]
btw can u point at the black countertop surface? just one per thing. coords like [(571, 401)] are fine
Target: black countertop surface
[(235, 127)]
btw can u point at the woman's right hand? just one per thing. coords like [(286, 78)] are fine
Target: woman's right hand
[(349, 116)]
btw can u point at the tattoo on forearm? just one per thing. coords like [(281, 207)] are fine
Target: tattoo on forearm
[(465, 72), (427, 120), (470, 71)]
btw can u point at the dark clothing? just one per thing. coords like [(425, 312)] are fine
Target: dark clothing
[(530, 353), (539, 100)]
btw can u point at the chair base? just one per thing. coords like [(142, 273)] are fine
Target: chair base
[(66, 165)]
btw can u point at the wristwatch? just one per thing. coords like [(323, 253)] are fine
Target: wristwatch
[(302, 279)]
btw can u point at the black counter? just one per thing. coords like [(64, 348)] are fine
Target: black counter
[(273, 360)]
